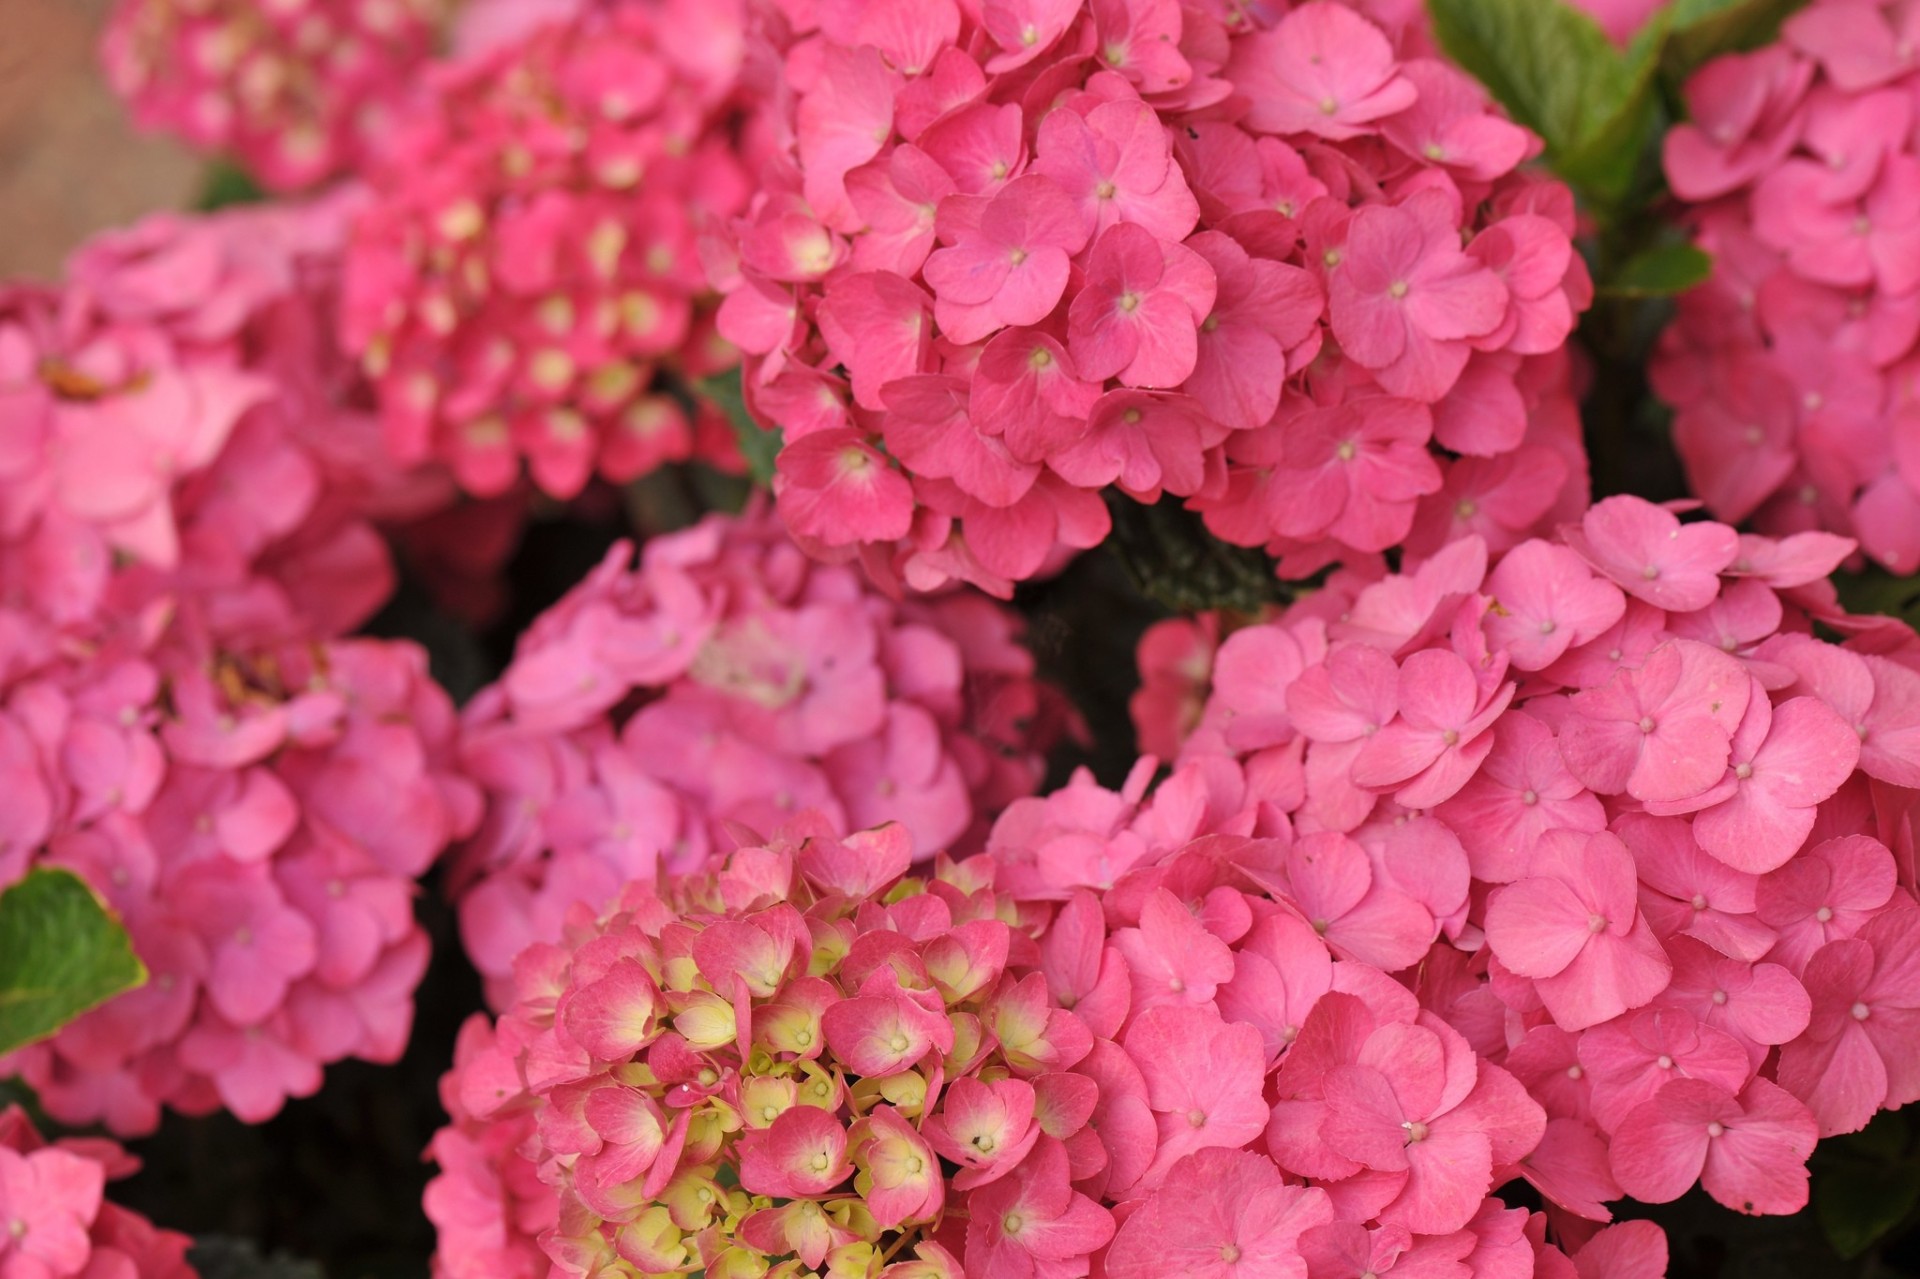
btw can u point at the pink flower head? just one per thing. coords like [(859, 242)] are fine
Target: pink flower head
[(1574, 926), (1007, 257), (823, 1040), (1647, 551), (899, 1176), (49, 1198), (1663, 733), (1748, 1150), (1630, 1059), (1785, 760), (1440, 738), (767, 684), (1221, 1214), (1022, 1222), (260, 865), (1037, 250), (513, 301), (985, 1128), (1418, 1106), (256, 85), (1203, 1082), (1826, 894), (1171, 956), (1548, 604), (1324, 70), (1854, 1058), (57, 1221), (1114, 160), (1405, 298), (1139, 315), (803, 1153), (1802, 166)]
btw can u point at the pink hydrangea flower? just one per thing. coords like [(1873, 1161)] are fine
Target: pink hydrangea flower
[(279, 929), (516, 298), (1784, 368), (770, 685), (1747, 1150), (1031, 285), (296, 94), (189, 430), (57, 1223), (1222, 1214), (707, 979), (1657, 999)]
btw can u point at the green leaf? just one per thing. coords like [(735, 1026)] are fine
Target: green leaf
[(226, 184), (1659, 272), (1556, 72), (1704, 29), (1175, 562), (1548, 64), (1865, 1184), (1878, 591), (759, 445), (61, 953)]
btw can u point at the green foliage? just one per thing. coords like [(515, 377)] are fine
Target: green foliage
[(759, 445), (1663, 270), (226, 184), (1599, 108), (1704, 29), (1878, 591), (1556, 72), (1179, 565), (1866, 1183), (61, 953)]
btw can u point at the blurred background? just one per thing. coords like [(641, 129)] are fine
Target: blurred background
[(70, 163)]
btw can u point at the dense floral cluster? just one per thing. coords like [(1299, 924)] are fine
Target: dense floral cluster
[(1031, 251), (55, 1222), (529, 265), (186, 495), (728, 679), (296, 91), (802, 1060), (1613, 813), (257, 819), (1791, 370), (176, 421)]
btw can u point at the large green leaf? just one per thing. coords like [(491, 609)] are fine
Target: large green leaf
[(759, 445), (1556, 72), (1703, 29), (1549, 64), (1658, 272), (61, 953)]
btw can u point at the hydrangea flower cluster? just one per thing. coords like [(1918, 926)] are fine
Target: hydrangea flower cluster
[(176, 421), (188, 481), (1791, 370), (257, 819), (55, 1222), (296, 91), (529, 270), (1625, 828), (803, 1061), (1027, 251), (771, 1061), (729, 679)]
